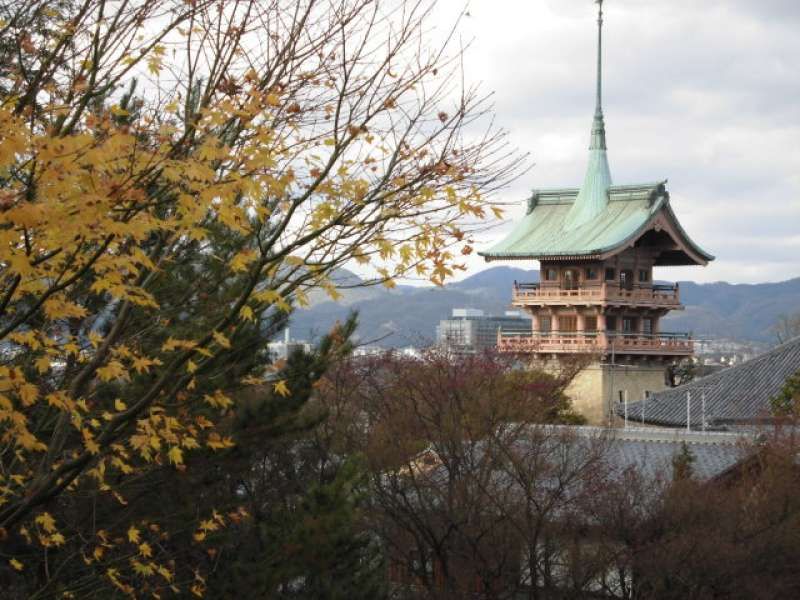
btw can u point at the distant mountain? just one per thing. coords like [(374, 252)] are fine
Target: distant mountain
[(409, 315), (743, 312)]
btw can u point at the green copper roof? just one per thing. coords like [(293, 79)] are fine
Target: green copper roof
[(631, 211), (592, 198)]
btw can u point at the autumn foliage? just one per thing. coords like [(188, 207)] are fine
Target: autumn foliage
[(174, 178)]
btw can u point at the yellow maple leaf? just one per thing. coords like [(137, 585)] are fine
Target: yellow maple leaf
[(268, 296), (165, 573), (16, 564), (28, 393), (332, 292), (119, 405), (133, 535), (142, 569), (202, 422), (88, 441), (95, 338), (46, 521), (42, 364), (240, 261), (113, 370), (172, 344), (175, 455), (221, 340), (216, 442), (142, 364), (218, 399), (281, 388)]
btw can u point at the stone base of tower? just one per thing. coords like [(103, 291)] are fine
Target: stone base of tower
[(598, 388)]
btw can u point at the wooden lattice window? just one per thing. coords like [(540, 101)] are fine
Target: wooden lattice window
[(568, 323), (628, 325), (545, 324), (570, 279)]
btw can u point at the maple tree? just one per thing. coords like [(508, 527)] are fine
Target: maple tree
[(175, 177), (462, 452), (733, 536)]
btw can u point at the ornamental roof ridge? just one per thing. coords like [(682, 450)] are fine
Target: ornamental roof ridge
[(616, 193), (652, 434)]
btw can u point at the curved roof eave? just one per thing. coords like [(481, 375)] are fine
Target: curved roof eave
[(708, 257), (686, 244)]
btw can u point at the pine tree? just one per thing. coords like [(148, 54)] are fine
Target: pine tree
[(682, 464), (787, 402)]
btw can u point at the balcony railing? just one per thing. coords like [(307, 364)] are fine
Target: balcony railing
[(600, 342), (526, 294)]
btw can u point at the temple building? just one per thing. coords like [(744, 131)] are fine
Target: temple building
[(596, 299)]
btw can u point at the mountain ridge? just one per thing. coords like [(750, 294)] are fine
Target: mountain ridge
[(408, 315)]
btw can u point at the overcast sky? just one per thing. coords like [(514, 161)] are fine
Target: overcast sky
[(703, 93)]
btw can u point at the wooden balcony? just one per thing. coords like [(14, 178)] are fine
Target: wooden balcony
[(606, 293), (602, 343)]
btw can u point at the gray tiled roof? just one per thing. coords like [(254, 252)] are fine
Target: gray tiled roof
[(732, 396), (651, 451), (648, 451)]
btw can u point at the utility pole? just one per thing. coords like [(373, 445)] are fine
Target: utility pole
[(688, 411)]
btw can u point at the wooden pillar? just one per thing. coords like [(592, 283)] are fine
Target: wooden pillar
[(602, 339)]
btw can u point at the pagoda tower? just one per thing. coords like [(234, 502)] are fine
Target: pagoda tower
[(596, 298)]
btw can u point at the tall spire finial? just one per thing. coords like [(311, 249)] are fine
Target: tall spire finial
[(599, 105), (598, 126), (592, 198)]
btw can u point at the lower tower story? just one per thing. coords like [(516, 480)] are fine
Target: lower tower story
[(600, 387)]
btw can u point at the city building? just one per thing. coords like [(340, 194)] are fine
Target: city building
[(281, 350), (470, 331), (597, 246)]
